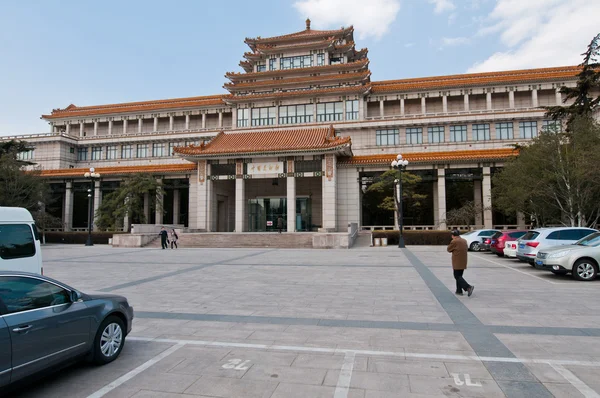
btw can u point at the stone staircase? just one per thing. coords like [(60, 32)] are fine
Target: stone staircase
[(298, 240)]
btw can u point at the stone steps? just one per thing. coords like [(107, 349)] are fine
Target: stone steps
[(224, 240)]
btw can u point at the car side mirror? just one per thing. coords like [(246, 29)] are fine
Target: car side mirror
[(75, 296)]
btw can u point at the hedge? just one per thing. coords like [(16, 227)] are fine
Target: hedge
[(416, 237), (98, 238)]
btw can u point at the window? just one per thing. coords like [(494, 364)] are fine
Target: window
[(329, 111), (71, 150), (387, 137), (553, 235), (352, 110), (25, 155), (111, 152), (320, 59), (481, 132), (141, 151), (97, 153), (414, 135), (126, 152), (16, 241), (528, 129), (242, 117), (552, 126), (170, 148), (504, 131), (435, 134), (261, 68), (308, 166), (530, 235), (458, 133), (82, 153), (301, 61), (158, 150), (263, 116), (570, 234), (295, 114), (273, 64), (516, 235), (336, 60), (21, 293)]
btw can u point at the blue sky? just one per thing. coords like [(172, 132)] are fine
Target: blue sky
[(96, 52)]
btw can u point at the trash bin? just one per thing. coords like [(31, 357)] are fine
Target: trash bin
[(383, 241), (110, 241), (377, 242)]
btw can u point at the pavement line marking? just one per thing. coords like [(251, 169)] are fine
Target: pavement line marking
[(368, 352), (128, 376), (343, 384), (518, 270), (575, 381)]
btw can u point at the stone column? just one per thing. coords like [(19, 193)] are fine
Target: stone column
[(445, 103), (97, 202), (187, 122), (343, 110), (466, 102), (176, 206), (488, 101), (125, 124), (436, 210), (155, 124), (68, 207), (401, 106), (315, 111), (140, 125), (221, 119), (171, 123), (95, 129), (110, 125), (361, 109), (147, 207), (158, 211), (423, 105), (291, 204), (81, 129), (68, 128), (487, 198), (441, 199), (511, 99), (240, 204), (204, 120), (477, 200), (381, 108), (558, 97), (329, 194), (534, 98), (204, 197)]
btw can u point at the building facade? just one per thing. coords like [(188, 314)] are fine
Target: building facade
[(300, 134)]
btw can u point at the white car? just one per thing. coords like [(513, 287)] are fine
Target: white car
[(20, 248), (475, 238), (543, 238), (510, 249), (580, 259)]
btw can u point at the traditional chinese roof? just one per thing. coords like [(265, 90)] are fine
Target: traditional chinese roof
[(321, 79), (122, 170), (358, 89), (357, 65), (431, 157), (316, 139), (73, 110), (477, 79)]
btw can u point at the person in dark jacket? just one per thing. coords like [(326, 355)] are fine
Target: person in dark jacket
[(163, 238), (280, 223), (458, 247)]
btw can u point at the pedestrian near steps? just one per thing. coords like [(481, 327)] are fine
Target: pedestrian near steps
[(164, 236), (458, 247), (174, 238)]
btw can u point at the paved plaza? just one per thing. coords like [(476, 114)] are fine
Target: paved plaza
[(359, 323)]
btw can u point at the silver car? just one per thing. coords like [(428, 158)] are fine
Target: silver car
[(542, 238), (45, 323), (580, 259)]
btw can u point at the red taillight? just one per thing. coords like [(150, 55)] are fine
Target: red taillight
[(532, 244), (487, 241)]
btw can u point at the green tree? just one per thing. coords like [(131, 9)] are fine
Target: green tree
[(128, 201)]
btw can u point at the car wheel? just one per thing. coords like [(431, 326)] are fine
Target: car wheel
[(585, 270), (109, 340), (475, 246)]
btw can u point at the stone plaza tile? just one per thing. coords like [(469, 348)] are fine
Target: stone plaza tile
[(372, 381), (225, 387), (286, 374), (447, 386), (403, 367)]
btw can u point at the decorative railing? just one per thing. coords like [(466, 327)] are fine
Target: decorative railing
[(454, 113)]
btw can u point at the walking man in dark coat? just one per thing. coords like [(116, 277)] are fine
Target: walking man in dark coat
[(163, 238), (458, 247), (280, 223)]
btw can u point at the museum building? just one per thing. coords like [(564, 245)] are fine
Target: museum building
[(301, 133)]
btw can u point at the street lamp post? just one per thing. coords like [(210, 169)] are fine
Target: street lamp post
[(399, 164), (92, 176)]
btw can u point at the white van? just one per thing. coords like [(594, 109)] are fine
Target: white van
[(20, 248)]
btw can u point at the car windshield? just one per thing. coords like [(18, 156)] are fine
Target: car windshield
[(530, 235), (590, 240)]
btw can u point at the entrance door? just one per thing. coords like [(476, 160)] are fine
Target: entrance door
[(222, 216), (264, 212)]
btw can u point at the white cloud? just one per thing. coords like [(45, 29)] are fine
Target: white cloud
[(539, 33), (455, 41), (442, 5), (370, 19), (409, 45)]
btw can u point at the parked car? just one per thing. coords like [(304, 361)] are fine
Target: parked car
[(510, 249), (20, 248), (543, 238), (45, 323), (498, 240), (580, 259), (475, 238)]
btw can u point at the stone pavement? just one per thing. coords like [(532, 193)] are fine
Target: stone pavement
[(367, 323)]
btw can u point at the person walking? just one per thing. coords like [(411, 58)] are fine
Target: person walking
[(458, 247), (164, 236), (174, 238), (280, 223)]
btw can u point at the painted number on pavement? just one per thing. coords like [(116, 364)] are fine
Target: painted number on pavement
[(236, 364), (468, 382)]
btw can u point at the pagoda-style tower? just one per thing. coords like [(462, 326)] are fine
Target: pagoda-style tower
[(309, 63)]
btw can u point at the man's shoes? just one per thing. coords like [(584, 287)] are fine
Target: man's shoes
[(470, 291), (458, 293)]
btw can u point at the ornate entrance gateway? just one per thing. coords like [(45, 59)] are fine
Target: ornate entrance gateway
[(263, 214)]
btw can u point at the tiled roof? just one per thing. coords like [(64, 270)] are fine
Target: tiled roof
[(120, 170), (325, 68), (429, 157), (307, 33), (476, 79), (321, 78), (142, 106), (362, 89), (270, 48), (282, 141)]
